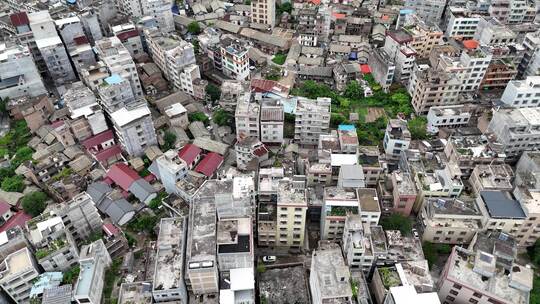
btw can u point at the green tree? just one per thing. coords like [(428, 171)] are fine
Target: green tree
[(198, 116), (534, 253), (144, 223), (354, 91), (169, 139), (158, 200), (3, 104), (13, 184), (279, 58), (34, 203), (432, 251), (337, 119), (312, 90), (396, 221), (285, 7), (417, 127), (194, 28), (213, 91), (223, 118), (71, 275)]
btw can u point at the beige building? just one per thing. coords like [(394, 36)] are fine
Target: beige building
[(530, 229), (503, 212), (17, 273), (291, 214), (450, 220), (337, 205), (263, 12), (424, 37), (491, 177)]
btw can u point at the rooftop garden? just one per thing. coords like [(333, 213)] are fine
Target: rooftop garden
[(342, 211), (51, 248), (389, 277)]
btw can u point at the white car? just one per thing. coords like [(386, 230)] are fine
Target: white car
[(415, 234), (269, 258)]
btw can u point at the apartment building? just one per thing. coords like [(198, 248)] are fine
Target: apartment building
[(504, 212), (338, 203), (170, 169), (115, 93), (272, 121), (491, 177), (529, 231), (462, 23), (329, 277), (382, 67), (372, 165), (93, 262), (80, 217), (397, 45), (247, 117), (450, 220), (370, 209), (403, 193), (168, 284), (72, 33), (432, 87), (17, 274), (20, 76), (469, 151), (235, 244), (511, 11), (134, 128), (234, 59), (424, 37), (263, 12), (357, 247), (267, 208), (175, 57), (249, 153), (492, 31), (130, 37), (522, 93), (161, 11), (86, 114), (130, 7), (312, 119), (117, 59), (452, 116), (397, 138), (470, 276), (430, 11), (503, 66), (530, 64), (512, 131), (291, 214)]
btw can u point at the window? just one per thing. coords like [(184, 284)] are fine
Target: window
[(473, 301), (477, 295), (453, 292), (449, 298)]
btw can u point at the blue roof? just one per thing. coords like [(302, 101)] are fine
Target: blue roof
[(86, 275), (71, 1), (353, 56), (346, 128), (289, 105), (44, 281), (113, 79)]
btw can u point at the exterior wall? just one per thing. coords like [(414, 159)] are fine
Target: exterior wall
[(264, 12), (137, 136), (161, 11), (81, 217), (312, 120), (292, 220)]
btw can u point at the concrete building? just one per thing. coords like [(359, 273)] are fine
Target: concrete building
[(397, 138), (17, 273), (515, 130), (530, 64), (462, 23), (136, 292), (170, 169), (453, 116), (291, 214), (529, 232), (476, 276), (118, 61), (469, 151), (86, 114), (234, 59), (238, 287), (370, 209), (267, 206), (397, 45), (503, 212), (161, 11), (338, 203), (247, 117), (168, 284), (93, 262), (430, 11), (134, 128), (130, 38), (424, 37), (351, 176), (450, 220), (71, 31), (491, 177), (115, 93), (329, 278), (249, 153), (175, 57), (404, 192), (272, 121), (522, 93), (382, 67), (235, 244), (263, 12), (80, 217), (51, 49), (357, 247), (20, 76), (312, 119)]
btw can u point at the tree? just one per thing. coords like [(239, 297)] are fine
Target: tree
[(354, 91), (417, 127), (433, 251), (222, 118), (198, 116), (194, 28), (169, 139), (279, 58), (34, 203), (396, 221), (534, 253), (213, 91), (337, 119), (285, 7), (144, 223), (3, 104), (13, 184), (71, 275)]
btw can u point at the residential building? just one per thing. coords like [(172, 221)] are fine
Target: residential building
[(291, 214), (34, 110), (373, 166), (338, 203), (529, 231), (370, 209), (504, 212), (136, 292), (329, 277), (453, 116), (522, 93), (272, 121), (239, 286), (72, 33), (450, 220), (177, 115), (530, 64), (513, 131), (351, 176), (404, 192), (234, 58), (161, 11), (396, 138), (168, 284), (462, 23), (348, 139), (93, 262), (357, 247), (130, 7), (115, 93), (235, 244), (86, 114), (398, 47), (491, 177), (80, 217), (429, 11), (267, 206), (249, 153), (130, 37), (51, 49), (263, 12), (117, 59), (175, 57), (382, 67), (169, 168), (469, 151), (20, 76), (129, 181), (247, 117), (134, 128), (18, 272), (424, 37), (312, 119), (492, 31), (408, 294), (476, 276)]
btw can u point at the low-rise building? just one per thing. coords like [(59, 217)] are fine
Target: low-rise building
[(235, 244), (491, 177), (370, 209), (134, 128), (503, 212), (453, 116), (20, 77), (522, 93), (396, 138), (272, 121)]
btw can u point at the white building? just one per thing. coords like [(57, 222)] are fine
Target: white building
[(134, 128), (312, 119), (130, 7), (447, 117), (522, 93), (161, 11), (397, 138), (170, 168), (130, 37), (115, 93), (188, 77), (462, 23), (93, 263), (17, 274), (234, 58), (397, 45), (20, 76), (272, 121), (247, 117)]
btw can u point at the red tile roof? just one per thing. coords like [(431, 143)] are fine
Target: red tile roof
[(365, 69), (57, 124), (108, 153), (339, 15), (4, 207), (150, 178), (19, 19), (260, 151), (263, 86), (126, 35), (316, 2), (189, 153), (209, 164), (470, 44), (19, 219), (98, 139), (110, 229), (123, 175), (80, 40)]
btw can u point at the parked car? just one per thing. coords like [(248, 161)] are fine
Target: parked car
[(415, 233), (269, 259)]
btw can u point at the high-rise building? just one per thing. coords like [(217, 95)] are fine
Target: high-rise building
[(263, 12), (93, 262), (134, 128), (312, 119), (291, 214), (247, 117)]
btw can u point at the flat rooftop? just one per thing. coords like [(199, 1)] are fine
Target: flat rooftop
[(234, 235), (288, 195), (502, 204), (169, 265), (284, 285), (17, 262), (333, 275), (452, 206), (369, 201), (137, 292)]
